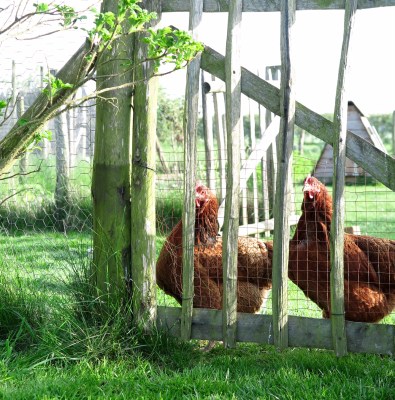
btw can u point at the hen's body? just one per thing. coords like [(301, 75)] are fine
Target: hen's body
[(254, 266), (369, 273)]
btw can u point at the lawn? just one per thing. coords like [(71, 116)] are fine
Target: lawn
[(52, 353)]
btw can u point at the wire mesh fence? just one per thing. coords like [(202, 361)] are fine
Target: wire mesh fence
[(46, 210), (368, 268)]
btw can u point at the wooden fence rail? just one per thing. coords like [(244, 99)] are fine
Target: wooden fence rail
[(271, 5)]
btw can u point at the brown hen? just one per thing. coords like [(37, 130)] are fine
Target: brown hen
[(369, 263), (254, 262)]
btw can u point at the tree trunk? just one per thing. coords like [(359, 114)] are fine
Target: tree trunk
[(62, 192), (111, 172)]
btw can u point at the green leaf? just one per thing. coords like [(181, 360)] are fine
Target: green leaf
[(41, 7)]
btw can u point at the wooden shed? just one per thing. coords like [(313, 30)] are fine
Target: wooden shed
[(360, 125)]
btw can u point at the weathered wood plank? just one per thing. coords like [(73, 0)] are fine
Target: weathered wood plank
[(219, 133), (339, 166), (264, 170), (143, 229), (190, 135), (380, 165), (233, 129), (254, 174), (303, 332), (271, 5), (243, 183), (281, 210), (207, 109)]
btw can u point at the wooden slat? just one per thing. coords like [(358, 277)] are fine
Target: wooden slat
[(208, 137), (143, 230), (233, 129), (190, 136), (243, 183), (272, 75), (220, 137), (303, 332), (380, 165), (339, 165), (254, 174), (283, 198), (264, 168), (271, 5)]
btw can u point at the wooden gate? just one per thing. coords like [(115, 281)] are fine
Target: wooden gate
[(279, 329)]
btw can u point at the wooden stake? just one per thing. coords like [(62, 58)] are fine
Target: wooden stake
[(190, 135), (282, 203), (233, 127), (339, 164)]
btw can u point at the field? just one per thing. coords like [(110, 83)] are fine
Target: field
[(58, 341)]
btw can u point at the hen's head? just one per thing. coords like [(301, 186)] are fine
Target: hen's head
[(206, 224), (316, 196), (311, 187), (203, 195)]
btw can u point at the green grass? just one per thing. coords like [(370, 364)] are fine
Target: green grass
[(177, 371), (55, 343)]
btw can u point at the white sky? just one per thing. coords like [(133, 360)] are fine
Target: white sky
[(317, 45)]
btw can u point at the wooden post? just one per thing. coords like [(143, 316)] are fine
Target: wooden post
[(111, 173), (143, 219), (233, 122), (219, 133), (271, 74), (244, 211), (208, 137), (339, 163), (254, 175), (190, 136), (264, 168), (282, 204)]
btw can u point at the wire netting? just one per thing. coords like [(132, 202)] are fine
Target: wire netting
[(46, 209)]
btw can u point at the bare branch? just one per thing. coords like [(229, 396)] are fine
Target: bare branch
[(22, 173), (14, 194)]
